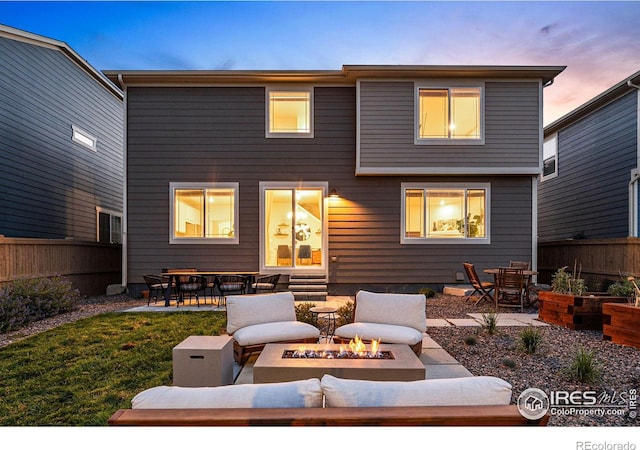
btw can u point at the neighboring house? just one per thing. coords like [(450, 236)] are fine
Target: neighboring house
[(385, 177), (61, 142), (589, 185), (62, 171)]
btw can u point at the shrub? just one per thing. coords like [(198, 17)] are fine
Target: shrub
[(428, 292), (623, 288), (28, 300), (568, 283), (490, 322), (303, 312), (345, 314), (470, 339), (508, 362), (583, 367), (530, 339)]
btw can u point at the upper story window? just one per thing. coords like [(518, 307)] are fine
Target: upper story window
[(203, 213), (290, 112), (449, 114), (550, 157), (82, 137), (441, 213)]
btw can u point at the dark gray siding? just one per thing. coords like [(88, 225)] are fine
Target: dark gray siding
[(217, 134), (512, 129), (49, 185), (589, 197)]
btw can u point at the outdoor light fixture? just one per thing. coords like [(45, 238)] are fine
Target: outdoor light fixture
[(334, 193)]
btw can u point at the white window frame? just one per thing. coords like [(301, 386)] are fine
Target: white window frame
[(451, 186), (204, 240), (550, 141), (289, 88), (448, 86), (115, 236), (83, 138)]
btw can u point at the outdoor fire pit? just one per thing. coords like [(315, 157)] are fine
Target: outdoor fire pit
[(388, 362)]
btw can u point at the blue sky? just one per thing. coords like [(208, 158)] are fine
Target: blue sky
[(598, 41)]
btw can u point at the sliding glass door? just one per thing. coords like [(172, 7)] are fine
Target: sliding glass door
[(293, 227)]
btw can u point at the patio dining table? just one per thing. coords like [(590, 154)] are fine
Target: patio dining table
[(171, 278), (526, 274)]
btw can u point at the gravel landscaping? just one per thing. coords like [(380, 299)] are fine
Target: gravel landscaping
[(481, 353)]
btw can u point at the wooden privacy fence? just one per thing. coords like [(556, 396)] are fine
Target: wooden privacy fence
[(602, 260), (90, 266)]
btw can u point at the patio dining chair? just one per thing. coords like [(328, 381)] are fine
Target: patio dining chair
[(231, 284), (510, 288), (267, 283), (483, 288), (524, 265), (191, 285), (156, 285)]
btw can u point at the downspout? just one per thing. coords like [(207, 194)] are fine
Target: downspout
[(635, 174), (123, 86)]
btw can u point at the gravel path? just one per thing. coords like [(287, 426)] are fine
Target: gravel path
[(497, 355)]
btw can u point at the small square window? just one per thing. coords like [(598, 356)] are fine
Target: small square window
[(449, 114), (290, 113), (204, 213)]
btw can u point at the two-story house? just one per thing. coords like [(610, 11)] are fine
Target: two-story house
[(62, 171), (588, 194), (380, 177)]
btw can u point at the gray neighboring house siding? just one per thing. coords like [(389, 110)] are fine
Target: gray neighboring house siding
[(50, 185), (589, 197), (211, 133)]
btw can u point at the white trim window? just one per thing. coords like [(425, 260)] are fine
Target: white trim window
[(436, 213), (83, 138), (289, 112), (109, 226), (203, 213), (449, 114), (550, 157)]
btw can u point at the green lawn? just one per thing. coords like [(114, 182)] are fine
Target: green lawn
[(81, 373)]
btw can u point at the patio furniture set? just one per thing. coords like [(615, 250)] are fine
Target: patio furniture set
[(180, 283), (324, 390), (511, 286)]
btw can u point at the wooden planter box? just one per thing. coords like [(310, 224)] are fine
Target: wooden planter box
[(573, 311), (621, 324)]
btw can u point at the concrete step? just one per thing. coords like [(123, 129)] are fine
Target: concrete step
[(310, 296), (308, 287)]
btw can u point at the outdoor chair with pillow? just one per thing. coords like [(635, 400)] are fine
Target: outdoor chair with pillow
[(157, 286), (267, 283), (255, 320), (390, 318), (229, 284)]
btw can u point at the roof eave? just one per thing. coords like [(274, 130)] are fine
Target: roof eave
[(594, 104)]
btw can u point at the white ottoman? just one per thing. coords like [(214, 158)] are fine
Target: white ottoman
[(200, 361)]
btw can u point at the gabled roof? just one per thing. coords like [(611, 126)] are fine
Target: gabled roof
[(594, 104), (35, 39), (347, 76)]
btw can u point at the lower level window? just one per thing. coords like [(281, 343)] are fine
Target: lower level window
[(445, 212), (204, 213), (109, 226)]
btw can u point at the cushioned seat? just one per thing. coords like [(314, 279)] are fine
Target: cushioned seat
[(258, 319), (390, 318), (389, 334)]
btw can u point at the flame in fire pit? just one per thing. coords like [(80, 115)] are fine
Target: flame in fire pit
[(357, 349)]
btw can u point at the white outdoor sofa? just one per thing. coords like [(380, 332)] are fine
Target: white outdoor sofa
[(468, 401), (259, 319), (390, 318)]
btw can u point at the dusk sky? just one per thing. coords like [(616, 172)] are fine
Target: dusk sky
[(597, 41)]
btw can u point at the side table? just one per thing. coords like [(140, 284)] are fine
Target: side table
[(325, 319), (203, 361)]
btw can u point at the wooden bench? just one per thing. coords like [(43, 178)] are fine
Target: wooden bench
[(504, 415)]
